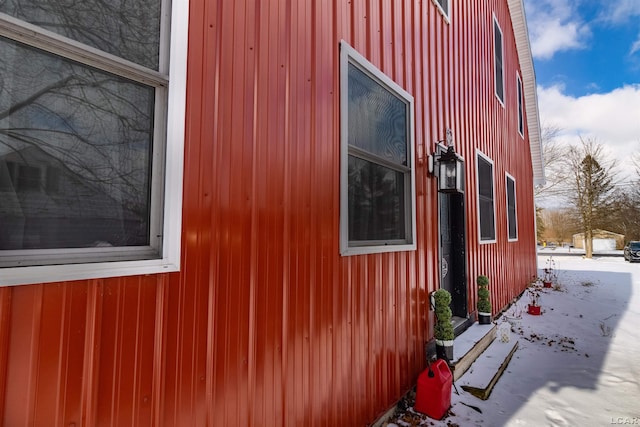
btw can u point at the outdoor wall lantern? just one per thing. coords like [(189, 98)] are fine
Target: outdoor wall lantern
[(448, 166)]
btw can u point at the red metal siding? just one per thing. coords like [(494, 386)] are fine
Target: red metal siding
[(266, 324)]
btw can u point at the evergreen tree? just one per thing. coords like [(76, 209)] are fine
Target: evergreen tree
[(591, 187)]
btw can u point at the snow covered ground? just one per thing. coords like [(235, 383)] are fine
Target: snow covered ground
[(562, 251), (578, 364)]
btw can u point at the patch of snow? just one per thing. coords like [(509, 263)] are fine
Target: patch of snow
[(483, 370), (471, 336), (578, 364)]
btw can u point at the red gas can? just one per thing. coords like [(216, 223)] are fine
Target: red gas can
[(433, 394)]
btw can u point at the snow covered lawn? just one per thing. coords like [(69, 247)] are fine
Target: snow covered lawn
[(578, 364)]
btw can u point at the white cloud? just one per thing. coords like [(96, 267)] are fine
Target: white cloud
[(620, 11), (555, 26), (612, 119), (635, 47)]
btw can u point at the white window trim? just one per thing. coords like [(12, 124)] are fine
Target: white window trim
[(493, 184), (495, 25), (446, 14), (350, 55), (520, 91), (515, 204), (173, 169)]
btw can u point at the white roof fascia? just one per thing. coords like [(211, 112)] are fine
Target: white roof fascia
[(519, 22)]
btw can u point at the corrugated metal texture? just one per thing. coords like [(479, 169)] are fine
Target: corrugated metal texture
[(5, 313), (266, 325), (71, 362), (508, 264), (304, 318)]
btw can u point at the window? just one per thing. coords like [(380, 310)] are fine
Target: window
[(520, 106), (486, 207), (443, 5), (498, 60), (512, 218), (91, 138), (377, 181)]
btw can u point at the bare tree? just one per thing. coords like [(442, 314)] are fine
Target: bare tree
[(625, 215), (560, 225), (554, 154), (591, 186), (541, 225)]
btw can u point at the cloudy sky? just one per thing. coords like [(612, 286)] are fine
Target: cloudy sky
[(587, 61)]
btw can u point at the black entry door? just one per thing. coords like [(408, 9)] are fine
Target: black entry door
[(452, 251)]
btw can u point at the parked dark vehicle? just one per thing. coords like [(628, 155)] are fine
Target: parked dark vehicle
[(632, 251)]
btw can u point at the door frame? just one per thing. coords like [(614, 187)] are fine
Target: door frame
[(458, 265)]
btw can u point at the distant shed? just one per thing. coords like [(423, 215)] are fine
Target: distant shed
[(603, 240)]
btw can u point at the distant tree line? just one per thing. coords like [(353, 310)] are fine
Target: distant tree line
[(585, 186)]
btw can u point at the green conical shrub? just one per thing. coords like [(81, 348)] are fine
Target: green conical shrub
[(484, 302), (444, 328)]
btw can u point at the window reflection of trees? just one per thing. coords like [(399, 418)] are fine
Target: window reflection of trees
[(377, 162), (125, 28), (376, 202), (377, 118), (79, 131), (485, 196)]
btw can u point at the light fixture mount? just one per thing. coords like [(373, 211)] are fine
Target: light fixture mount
[(448, 166)]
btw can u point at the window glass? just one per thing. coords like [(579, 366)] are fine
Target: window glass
[(498, 67), (512, 219), (75, 153), (485, 199), (377, 210), (88, 117), (376, 202), (128, 29), (377, 118), (444, 6), (520, 108)]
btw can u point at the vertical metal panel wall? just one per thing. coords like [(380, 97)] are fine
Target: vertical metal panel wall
[(266, 325)]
